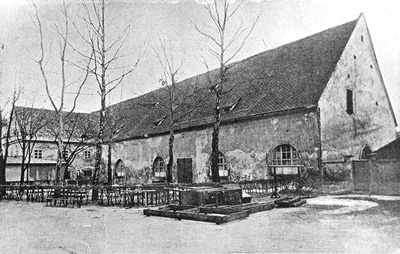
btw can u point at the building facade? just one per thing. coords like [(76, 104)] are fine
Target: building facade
[(316, 100), (302, 107), (38, 149)]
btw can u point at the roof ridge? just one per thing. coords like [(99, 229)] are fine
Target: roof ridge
[(301, 39), (243, 60)]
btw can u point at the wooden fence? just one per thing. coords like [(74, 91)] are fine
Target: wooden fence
[(122, 196), (139, 195)]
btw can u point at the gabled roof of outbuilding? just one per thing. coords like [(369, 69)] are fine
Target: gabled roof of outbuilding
[(288, 77), (389, 151)]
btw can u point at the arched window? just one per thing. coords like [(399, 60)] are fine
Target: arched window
[(285, 155), (159, 168), (119, 169)]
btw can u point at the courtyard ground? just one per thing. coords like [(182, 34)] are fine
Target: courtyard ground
[(339, 224)]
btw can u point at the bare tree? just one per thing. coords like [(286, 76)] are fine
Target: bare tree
[(221, 12), (114, 124), (63, 40), (79, 134), (106, 69), (175, 106), (28, 124), (7, 123)]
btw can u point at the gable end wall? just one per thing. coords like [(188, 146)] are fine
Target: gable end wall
[(373, 122)]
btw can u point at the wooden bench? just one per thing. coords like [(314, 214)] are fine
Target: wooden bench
[(35, 195), (64, 197)]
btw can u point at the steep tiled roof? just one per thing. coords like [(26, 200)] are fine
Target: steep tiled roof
[(287, 77)]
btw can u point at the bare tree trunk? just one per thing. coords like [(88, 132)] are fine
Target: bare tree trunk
[(60, 146), (103, 93), (171, 155), (21, 181), (99, 143), (215, 141), (2, 176), (220, 13), (109, 167), (4, 154), (27, 176), (2, 171), (2, 162), (66, 173)]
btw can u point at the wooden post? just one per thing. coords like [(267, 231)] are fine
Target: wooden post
[(275, 192)]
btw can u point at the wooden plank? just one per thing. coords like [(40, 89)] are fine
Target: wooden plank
[(299, 203), (218, 219), (179, 207), (287, 200), (219, 210), (231, 217), (260, 208)]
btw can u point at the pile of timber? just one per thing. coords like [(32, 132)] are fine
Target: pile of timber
[(210, 213), (289, 202)]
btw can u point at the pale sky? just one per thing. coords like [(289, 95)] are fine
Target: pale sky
[(281, 22)]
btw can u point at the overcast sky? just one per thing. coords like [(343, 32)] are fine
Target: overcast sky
[(172, 21)]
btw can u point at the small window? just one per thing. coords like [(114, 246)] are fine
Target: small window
[(38, 154), (231, 106), (285, 155), (159, 168), (348, 75), (354, 57), (223, 168), (158, 122), (362, 38), (65, 154), (349, 98), (87, 155)]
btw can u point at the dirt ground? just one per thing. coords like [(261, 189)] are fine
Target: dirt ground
[(339, 224)]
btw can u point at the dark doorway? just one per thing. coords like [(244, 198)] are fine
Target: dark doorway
[(185, 174)]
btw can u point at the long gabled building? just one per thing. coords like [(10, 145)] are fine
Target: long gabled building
[(297, 106)]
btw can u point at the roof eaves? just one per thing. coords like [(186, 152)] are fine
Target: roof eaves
[(148, 134)]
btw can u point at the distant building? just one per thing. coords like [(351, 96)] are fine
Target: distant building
[(77, 154)]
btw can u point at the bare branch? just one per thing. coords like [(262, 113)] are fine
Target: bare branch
[(207, 36), (82, 84), (244, 40), (40, 61)]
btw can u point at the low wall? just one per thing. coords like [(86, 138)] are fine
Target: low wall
[(337, 171), (385, 177)]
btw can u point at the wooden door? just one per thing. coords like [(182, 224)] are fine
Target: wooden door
[(185, 174)]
